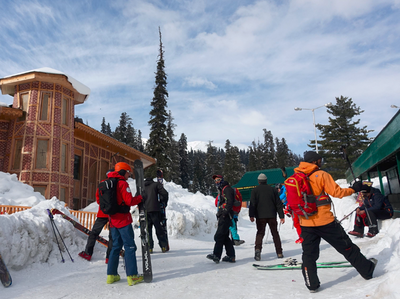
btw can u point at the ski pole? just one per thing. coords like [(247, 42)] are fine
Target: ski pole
[(62, 240), (343, 148), (345, 217), (52, 226)]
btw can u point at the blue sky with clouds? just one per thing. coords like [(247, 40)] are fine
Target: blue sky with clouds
[(234, 67)]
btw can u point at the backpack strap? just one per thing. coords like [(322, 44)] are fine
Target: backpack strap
[(318, 201)]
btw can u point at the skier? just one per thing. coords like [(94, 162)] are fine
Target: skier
[(233, 228), (101, 221), (264, 205), (375, 206), (121, 228), (154, 192), (323, 225), (224, 216), (296, 223)]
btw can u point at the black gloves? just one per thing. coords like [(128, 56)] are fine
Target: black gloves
[(357, 186)]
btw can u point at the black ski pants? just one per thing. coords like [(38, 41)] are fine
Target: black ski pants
[(334, 234), (222, 238), (155, 218), (96, 230)]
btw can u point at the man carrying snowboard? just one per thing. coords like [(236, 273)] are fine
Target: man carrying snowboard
[(323, 224)]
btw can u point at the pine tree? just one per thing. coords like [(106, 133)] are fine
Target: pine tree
[(199, 174), (157, 143), (284, 156), (139, 142), (213, 166), (124, 131), (342, 132), (109, 132), (269, 151), (103, 126), (184, 163), (233, 170), (173, 158)]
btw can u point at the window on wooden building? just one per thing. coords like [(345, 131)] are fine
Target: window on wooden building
[(41, 153), (64, 157), (23, 104), (40, 189), (17, 154), (44, 106), (63, 192), (65, 111)]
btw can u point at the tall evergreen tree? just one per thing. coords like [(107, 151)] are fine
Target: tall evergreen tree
[(342, 131), (184, 163), (109, 132), (157, 143), (121, 131), (139, 142), (233, 170), (283, 154), (269, 151), (256, 157), (199, 174), (103, 126), (213, 166), (173, 158)]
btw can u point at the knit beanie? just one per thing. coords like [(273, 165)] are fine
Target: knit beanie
[(311, 156), (262, 177)]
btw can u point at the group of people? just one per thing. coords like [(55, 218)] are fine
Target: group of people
[(267, 202), (120, 224)]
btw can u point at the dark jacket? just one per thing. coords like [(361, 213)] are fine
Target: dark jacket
[(226, 201), (154, 190), (265, 202), (376, 202)]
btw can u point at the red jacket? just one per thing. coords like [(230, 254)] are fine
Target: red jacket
[(124, 195)]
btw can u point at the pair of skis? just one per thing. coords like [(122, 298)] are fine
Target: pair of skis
[(291, 264)]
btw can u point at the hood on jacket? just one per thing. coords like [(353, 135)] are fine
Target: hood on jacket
[(306, 167), (148, 181), (115, 174)]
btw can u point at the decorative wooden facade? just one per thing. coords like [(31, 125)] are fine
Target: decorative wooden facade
[(42, 143)]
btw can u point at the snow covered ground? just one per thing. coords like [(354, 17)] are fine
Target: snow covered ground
[(28, 247)]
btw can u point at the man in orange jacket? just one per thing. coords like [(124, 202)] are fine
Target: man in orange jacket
[(323, 225)]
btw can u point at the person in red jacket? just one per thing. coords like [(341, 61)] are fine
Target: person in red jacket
[(121, 228), (101, 221)]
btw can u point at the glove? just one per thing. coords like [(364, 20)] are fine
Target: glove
[(357, 186)]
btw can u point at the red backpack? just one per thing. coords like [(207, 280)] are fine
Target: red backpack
[(300, 197), (237, 204)]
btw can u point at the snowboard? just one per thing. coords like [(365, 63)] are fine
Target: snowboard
[(83, 229), (5, 276), (160, 179), (139, 177), (291, 264)]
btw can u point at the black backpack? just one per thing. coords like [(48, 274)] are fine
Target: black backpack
[(108, 198)]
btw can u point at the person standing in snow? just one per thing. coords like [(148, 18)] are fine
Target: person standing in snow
[(224, 216), (121, 228), (296, 223), (323, 224), (375, 206), (264, 205), (154, 192), (101, 221)]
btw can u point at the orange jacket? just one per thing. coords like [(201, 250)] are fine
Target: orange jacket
[(321, 182)]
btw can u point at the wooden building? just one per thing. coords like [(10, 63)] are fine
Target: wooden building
[(46, 147)]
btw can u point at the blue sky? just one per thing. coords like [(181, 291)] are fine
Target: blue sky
[(233, 67)]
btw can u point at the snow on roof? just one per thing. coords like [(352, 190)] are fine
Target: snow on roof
[(81, 88)]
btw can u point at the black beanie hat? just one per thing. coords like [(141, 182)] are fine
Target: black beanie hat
[(311, 156)]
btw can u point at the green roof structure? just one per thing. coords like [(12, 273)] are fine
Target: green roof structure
[(249, 180)]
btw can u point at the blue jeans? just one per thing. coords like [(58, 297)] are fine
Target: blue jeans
[(123, 236)]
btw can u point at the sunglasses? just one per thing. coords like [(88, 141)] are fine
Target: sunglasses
[(217, 180)]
